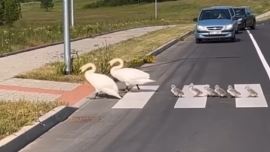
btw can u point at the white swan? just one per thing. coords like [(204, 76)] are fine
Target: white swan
[(100, 82), (129, 76)]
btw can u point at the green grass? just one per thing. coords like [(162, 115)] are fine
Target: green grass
[(173, 11), (38, 27), (15, 115), (133, 52)]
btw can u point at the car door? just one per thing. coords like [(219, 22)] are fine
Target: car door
[(233, 18)]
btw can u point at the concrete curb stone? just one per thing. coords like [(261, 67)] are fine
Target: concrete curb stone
[(169, 44)]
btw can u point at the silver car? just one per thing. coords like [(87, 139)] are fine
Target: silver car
[(215, 23)]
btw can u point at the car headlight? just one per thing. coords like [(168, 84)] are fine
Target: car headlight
[(201, 28), (228, 27), (239, 21)]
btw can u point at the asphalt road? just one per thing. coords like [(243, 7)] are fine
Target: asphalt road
[(158, 126)]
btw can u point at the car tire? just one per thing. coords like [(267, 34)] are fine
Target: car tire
[(198, 40), (233, 39), (253, 27), (244, 26)]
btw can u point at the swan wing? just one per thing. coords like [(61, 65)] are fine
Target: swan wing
[(111, 92), (101, 81), (127, 74)]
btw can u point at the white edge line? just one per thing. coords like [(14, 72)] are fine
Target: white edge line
[(259, 51)]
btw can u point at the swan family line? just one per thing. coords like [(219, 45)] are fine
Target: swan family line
[(104, 84), (216, 92)]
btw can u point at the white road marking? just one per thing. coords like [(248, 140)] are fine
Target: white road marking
[(260, 54), (136, 99), (189, 101), (250, 102)]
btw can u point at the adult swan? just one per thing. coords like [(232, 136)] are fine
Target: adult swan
[(101, 82), (129, 76)]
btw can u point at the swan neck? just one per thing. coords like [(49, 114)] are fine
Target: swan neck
[(121, 65), (92, 68)]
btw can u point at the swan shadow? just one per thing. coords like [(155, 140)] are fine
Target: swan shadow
[(101, 96), (142, 90)]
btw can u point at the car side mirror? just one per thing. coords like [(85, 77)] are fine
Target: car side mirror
[(195, 19)]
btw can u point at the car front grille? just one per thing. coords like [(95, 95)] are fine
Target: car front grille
[(214, 28), (217, 35)]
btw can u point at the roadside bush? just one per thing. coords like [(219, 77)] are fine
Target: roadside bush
[(10, 11), (47, 4), (149, 59)]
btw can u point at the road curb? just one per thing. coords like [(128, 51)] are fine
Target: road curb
[(169, 44), (27, 134)]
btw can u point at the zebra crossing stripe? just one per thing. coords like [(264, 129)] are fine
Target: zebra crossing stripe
[(189, 101), (136, 99), (250, 102)]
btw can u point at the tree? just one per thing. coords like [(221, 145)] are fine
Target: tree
[(47, 4), (10, 11)]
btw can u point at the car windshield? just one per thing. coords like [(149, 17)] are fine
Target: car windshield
[(239, 12), (215, 14)]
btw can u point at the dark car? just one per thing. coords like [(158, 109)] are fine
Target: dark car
[(245, 17)]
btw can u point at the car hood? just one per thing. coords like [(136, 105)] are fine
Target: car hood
[(215, 22), (237, 17)]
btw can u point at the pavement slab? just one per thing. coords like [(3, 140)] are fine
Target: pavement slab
[(38, 90), (64, 86)]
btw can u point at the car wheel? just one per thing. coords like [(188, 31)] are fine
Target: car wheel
[(233, 39), (198, 40), (253, 27), (244, 26)]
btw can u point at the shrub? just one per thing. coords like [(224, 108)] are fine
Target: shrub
[(149, 59), (47, 4), (10, 11)]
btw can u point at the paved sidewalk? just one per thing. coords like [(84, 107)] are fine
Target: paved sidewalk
[(36, 90), (23, 62), (16, 89)]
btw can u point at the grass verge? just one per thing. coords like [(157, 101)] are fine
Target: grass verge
[(132, 51), (38, 27), (14, 115)]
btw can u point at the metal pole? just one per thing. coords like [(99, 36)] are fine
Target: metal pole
[(156, 9), (72, 12), (67, 53)]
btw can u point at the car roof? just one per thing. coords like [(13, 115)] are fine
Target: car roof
[(221, 7), (212, 8), (241, 7)]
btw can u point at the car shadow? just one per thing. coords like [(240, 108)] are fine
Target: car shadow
[(220, 41)]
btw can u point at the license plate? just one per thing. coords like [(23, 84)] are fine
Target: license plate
[(215, 32)]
